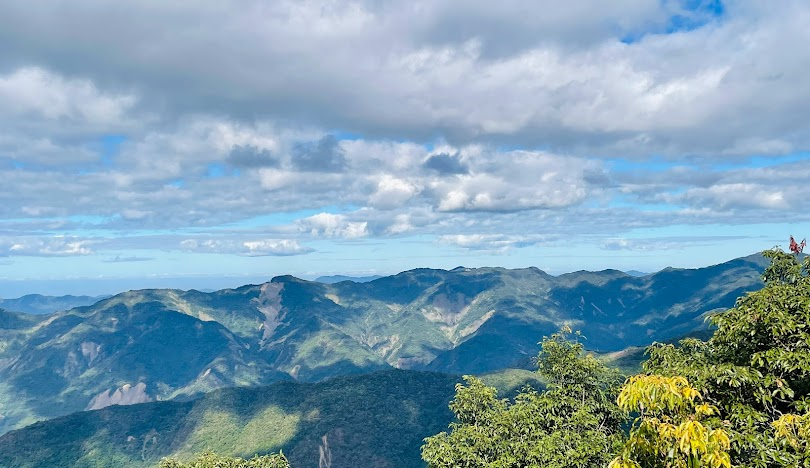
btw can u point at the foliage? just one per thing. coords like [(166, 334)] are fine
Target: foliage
[(510, 381), (568, 369), (669, 430), (575, 423), (465, 321), (217, 339), (371, 420), (209, 459), (793, 433), (755, 370)]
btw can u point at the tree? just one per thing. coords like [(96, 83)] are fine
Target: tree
[(740, 399), (669, 430), (209, 459), (754, 372), (574, 423)]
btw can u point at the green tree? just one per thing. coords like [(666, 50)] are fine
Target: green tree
[(670, 430), (574, 423), (755, 369), (211, 460)]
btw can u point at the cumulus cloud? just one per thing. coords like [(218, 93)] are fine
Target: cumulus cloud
[(522, 180), (333, 225), (400, 225), (426, 118), (492, 242), (559, 75), (392, 192), (254, 248), (742, 191), (275, 247), (55, 246), (37, 90), (45, 117)]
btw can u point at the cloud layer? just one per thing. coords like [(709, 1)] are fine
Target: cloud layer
[(274, 128)]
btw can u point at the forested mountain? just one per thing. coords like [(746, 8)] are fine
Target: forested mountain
[(150, 345), (739, 398), (372, 420)]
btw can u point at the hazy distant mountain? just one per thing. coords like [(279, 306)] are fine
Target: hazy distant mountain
[(38, 304), (338, 278), (12, 323), (157, 344), (636, 273)]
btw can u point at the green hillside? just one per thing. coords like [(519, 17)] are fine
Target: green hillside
[(153, 345), (373, 420)]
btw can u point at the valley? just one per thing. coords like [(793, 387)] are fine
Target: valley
[(164, 351)]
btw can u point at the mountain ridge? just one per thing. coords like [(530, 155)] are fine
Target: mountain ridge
[(41, 304), (329, 279), (159, 344)]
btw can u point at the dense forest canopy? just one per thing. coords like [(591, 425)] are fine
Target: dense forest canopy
[(212, 460), (575, 422)]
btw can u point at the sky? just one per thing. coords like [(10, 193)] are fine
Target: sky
[(215, 143)]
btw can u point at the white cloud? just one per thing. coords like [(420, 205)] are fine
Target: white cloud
[(665, 243), (737, 195), (400, 225), (274, 179), (275, 247), (394, 119), (493, 242), (392, 193), (546, 74), (639, 245), (42, 150), (256, 248), (50, 95), (516, 181), (55, 246), (333, 225)]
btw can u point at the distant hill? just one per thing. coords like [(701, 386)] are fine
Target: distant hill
[(369, 420), (39, 304), (373, 420), (150, 345), (636, 273), (338, 278)]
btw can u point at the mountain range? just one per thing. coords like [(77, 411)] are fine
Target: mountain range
[(152, 345), (39, 304), (339, 278)]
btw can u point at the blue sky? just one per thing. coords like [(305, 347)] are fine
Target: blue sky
[(149, 144)]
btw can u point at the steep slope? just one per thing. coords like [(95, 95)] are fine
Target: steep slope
[(612, 309), (157, 344), (373, 420), (118, 354)]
